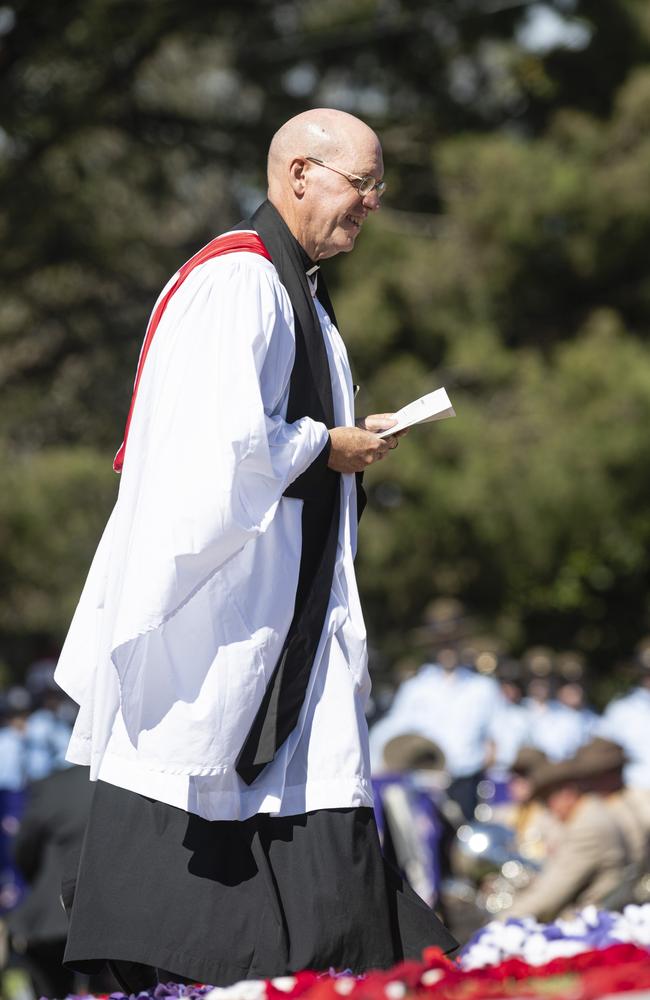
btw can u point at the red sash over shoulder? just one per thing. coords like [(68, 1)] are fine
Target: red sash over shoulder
[(234, 242)]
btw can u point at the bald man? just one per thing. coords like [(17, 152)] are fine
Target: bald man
[(218, 651)]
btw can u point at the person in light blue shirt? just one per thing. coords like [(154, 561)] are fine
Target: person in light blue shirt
[(510, 728), (572, 694), (452, 706), (32, 743), (14, 710), (48, 730), (46, 743), (555, 729), (15, 705), (12, 759), (626, 721)]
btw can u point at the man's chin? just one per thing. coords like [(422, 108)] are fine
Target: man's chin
[(341, 246), (345, 242)]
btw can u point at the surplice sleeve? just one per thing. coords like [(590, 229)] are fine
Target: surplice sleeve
[(210, 453)]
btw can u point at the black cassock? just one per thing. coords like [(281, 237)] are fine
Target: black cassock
[(219, 901)]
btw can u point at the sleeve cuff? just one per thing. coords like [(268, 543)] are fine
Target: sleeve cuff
[(310, 484)]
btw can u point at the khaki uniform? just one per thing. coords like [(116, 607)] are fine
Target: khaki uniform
[(586, 866), (629, 818)]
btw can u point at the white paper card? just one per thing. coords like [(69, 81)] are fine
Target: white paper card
[(434, 406)]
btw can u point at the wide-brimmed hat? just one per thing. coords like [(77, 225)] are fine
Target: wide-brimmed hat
[(605, 755), (413, 752), (595, 758), (528, 759)]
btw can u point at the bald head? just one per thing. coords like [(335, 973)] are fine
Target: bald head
[(324, 132), (305, 193)]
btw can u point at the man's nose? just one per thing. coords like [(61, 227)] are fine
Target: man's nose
[(371, 201)]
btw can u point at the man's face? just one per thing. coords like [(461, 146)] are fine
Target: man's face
[(561, 801), (539, 690), (520, 788), (572, 695), (511, 692), (335, 211)]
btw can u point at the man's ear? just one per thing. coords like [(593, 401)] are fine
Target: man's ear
[(298, 175)]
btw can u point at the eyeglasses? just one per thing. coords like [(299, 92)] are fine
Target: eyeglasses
[(364, 185)]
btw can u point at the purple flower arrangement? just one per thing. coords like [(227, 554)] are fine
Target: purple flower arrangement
[(537, 943)]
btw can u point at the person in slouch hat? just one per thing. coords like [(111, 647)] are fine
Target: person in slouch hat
[(218, 652), (589, 860)]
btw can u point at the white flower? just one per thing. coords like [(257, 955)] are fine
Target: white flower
[(284, 983), (248, 989), (574, 927), (535, 950), (431, 977), (512, 939), (564, 949), (590, 916), (623, 932), (480, 956), (636, 920)]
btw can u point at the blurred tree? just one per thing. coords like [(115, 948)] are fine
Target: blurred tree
[(132, 132), (53, 508), (530, 506), (528, 297)]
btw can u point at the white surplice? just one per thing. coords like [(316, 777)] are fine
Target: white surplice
[(191, 591)]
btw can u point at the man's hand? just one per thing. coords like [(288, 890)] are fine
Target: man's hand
[(376, 422), (382, 422), (355, 448)]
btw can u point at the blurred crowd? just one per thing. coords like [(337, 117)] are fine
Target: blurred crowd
[(545, 802), (35, 725), (500, 791), (43, 810)]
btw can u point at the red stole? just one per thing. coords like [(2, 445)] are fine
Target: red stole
[(235, 242)]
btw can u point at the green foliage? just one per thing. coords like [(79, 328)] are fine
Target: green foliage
[(528, 300), (531, 505), (509, 264), (53, 508)]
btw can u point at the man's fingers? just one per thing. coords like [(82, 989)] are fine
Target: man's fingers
[(376, 455), (377, 450), (377, 422)]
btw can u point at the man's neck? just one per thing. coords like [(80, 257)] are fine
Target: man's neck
[(297, 230)]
